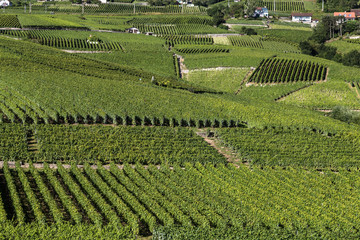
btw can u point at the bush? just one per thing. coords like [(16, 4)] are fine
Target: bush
[(345, 114), (352, 58)]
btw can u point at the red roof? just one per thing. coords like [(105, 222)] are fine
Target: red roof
[(344, 14), (301, 14)]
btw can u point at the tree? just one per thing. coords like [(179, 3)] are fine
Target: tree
[(162, 2), (205, 3), (218, 13), (339, 5), (237, 10), (250, 7), (352, 58), (307, 48), (327, 52)]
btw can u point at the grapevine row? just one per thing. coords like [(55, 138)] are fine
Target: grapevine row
[(276, 70)]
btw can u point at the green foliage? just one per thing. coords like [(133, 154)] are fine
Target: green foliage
[(9, 21), (345, 114), (352, 58), (284, 6), (225, 80), (307, 204), (325, 96), (339, 6), (202, 49), (264, 43), (291, 35), (27, 21), (277, 147), (173, 40), (276, 70), (13, 143), (123, 144)]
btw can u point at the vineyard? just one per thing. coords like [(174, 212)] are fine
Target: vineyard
[(198, 50), (276, 70), (135, 201), (47, 38), (264, 43), (183, 131), (292, 147), (173, 40), (285, 6), (9, 21), (123, 144), (109, 8)]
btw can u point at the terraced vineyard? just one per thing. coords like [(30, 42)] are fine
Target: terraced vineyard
[(199, 50), (292, 147), (172, 136), (9, 21), (142, 200), (106, 144), (263, 43), (109, 8), (173, 40), (276, 70), (285, 6), (123, 144)]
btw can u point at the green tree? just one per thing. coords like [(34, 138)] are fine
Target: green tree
[(237, 10)]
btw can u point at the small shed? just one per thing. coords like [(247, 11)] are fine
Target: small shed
[(301, 17), (133, 30)]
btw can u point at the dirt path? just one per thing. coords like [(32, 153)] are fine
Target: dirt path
[(330, 110), (231, 25), (76, 51), (182, 68), (67, 166), (225, 151), (217, 69), (245, 80), (296, 90), (356, 90)]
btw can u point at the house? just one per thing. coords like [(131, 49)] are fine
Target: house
[(357, 12), (314, 22), (189, 2), (262, 12), (5, 3), (301, 17), (347, 15), (133, 30)]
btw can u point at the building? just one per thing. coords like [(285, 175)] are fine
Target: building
[(346, 15), (301, 17), (357, 12), (5, 3), (262, 12), (133, 30)]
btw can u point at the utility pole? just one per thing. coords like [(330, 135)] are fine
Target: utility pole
[(29, 7), (274, 5), (134, 8), (322, 9), (25, 7), (83, 8)]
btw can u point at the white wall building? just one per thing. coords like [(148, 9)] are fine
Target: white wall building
[(4, 3), (301, 17)]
